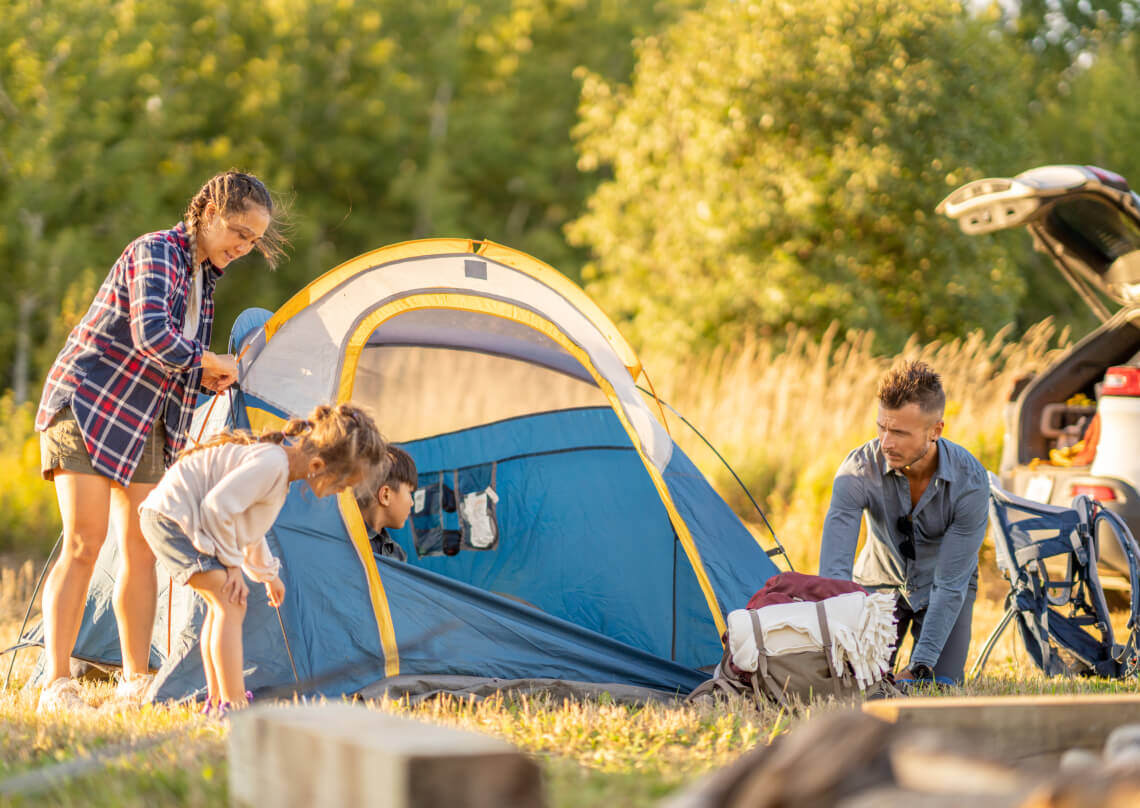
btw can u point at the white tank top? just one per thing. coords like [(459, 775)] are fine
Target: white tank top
[(193, 306)]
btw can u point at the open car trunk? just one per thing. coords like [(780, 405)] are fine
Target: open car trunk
[(1087, 220)]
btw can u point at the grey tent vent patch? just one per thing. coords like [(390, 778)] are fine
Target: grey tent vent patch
[(475, 269)]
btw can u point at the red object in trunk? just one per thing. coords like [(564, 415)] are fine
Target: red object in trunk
[(1121, 381)]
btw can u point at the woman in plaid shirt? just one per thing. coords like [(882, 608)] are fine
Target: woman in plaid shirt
[(117, 405)]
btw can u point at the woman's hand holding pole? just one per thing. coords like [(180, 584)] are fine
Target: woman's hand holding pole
[(219, 371)]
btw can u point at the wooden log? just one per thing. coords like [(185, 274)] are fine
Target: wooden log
[(310, 756), (1017, 728), (820, 762), (894, 797), (942, 762), (1085, 791)]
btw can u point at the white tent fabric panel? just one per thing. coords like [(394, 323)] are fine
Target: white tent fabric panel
[(419, 392), (300, 366)]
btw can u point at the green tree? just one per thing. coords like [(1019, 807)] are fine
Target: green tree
[(1059, 31), (380, 120), (1096, 120), (777, 163), (1083, 114)]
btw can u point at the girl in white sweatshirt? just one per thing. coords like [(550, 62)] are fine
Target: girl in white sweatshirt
[(206, 519)]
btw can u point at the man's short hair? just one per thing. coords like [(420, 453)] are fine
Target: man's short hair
[(397, 468), (912, 382)]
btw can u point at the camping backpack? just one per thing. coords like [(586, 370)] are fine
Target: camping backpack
[(795, 642)]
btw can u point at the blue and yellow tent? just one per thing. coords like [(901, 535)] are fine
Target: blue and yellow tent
[(559, 532)]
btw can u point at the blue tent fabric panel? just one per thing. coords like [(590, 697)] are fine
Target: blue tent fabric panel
[(444, 626), (585, 495), (573, 526), (249, 320), (329, 618), (525, 435), (336, 628), (735, 562)]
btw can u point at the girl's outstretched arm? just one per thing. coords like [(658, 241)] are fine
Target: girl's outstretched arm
[(275, 591)]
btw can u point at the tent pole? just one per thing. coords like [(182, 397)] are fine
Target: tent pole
[(288, 650), (28, 611)]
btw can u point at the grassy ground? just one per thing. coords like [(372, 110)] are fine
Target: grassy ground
[(593, 753)]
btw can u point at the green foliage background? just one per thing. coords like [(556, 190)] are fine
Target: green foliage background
[(712, 171), (778, 163)]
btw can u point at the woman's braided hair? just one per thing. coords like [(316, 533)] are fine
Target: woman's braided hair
[(233, 192), (345, 437)]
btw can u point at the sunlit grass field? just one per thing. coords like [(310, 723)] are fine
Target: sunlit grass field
[(592, 753), (783, 413)]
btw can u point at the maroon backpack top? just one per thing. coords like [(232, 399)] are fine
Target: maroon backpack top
[(790, 587)]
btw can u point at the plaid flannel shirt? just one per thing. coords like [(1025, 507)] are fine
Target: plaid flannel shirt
[(127, 363)]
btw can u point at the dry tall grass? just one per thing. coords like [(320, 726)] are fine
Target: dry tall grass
[(785, 413), (17, 582)]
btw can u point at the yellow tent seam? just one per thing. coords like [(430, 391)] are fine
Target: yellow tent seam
[(353, 520)]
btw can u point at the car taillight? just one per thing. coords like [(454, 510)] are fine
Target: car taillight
[(1102, 493)]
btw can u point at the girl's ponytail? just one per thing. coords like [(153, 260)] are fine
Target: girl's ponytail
[(345, 437)]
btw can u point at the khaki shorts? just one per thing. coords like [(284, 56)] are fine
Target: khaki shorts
[(62, 448)]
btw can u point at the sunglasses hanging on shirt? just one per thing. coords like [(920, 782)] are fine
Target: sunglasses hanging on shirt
[(905, 526)]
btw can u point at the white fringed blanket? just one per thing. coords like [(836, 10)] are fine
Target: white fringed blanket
[(862, 629)]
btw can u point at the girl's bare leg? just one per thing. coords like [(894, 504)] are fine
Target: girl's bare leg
[(225, 635), (136, 584), (212, 696), (84, 504)]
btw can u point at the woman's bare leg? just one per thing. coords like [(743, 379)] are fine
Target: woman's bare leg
[(225, 635), (136, 582), (84, 504)]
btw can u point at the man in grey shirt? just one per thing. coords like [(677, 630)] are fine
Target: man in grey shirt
[(925, 502)]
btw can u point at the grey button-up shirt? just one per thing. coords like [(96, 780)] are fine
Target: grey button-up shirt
[(949, 524)]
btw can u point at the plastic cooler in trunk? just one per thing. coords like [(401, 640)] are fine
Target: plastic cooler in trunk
[(1117, 452)]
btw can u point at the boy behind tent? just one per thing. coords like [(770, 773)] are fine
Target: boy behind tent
[(388, 504)]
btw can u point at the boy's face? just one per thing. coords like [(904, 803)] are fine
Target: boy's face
[(394, 505)]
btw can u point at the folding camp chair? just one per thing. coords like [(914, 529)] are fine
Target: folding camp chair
[(1049, 556)]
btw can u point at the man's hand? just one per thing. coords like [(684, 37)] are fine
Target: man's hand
[(235, 587), (218, 371), (275, 591), (915, 675)]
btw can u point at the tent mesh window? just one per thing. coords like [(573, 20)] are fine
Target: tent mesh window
[(418, 392)]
